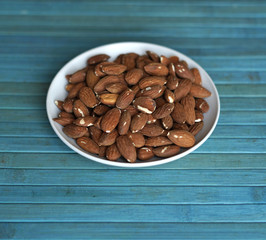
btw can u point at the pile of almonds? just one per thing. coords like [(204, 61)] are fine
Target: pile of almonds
[(137, 106)]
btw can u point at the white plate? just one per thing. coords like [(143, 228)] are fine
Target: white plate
[(57, 92)]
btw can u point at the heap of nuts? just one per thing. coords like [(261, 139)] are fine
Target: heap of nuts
[(138, 106)]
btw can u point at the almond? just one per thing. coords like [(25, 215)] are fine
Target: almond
[(183, 62), (112, 153), (145, 104), (137, 139), (118, 59), (145, 153), (63, 121), (169, 96), (125, 98), (101, 110), (153, 56), (59, 104), (151, 119), (103, 82), (171, 69), (129, 60), (183, 89), (173, 59), (108, 139), (199, 92), (167, 122), (124, 123), (74, 91), (133, 76), (156, 69), (160, 102), (65, 115), (152, 130), (183, 71), (91, 78), (166, 151), (126, 148), (80, 109), (117, 87), (132, 110), (98, 58), (98, 68), (114, 69), (188, 103), (172, 82), (178, 113), (138, 122), (152, 92), (108, 98), (74, 131), (95, 133), (78, 76), (97, 123), (85, 121), (195, 128), (135, 89), (88, 97), (164, 60), (181, 138), (69, 86), (151, 81), (110, 120), (197, 77), (198, 116), (102, 151), (157, 141), (202, 105), (180, 126), (163, 111), (88, 145)]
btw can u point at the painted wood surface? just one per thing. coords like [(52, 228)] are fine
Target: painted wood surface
[(49, 192)]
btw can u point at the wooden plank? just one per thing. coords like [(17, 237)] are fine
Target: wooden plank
[(131, 213), (130, 195), (129, 177), (75, 161), (134, 230)]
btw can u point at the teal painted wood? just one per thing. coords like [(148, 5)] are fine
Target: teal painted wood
[(132, 230), (142, 177), (75, 161), (131, 195)]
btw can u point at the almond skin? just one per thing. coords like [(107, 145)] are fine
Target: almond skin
[(95, 133), (126, 148), (145, 104), (153, 56), (98, 68), (124, 123), (132, 110), (103, 82), (166, 151), (88, 145), (137, 139), (152, 130), (151, 81), (181, 138), (199, 92), (74, 131), (195, 128), (116, 87), (59, 104), (114, 69), (101, 110), (78, 76), (172, 82), (183, 71), (163, 111), (133, 76), (160, 102), (87, 96), (112, 153), (202, 105), (98, 58), (156, 69), (74, 91), (197, 77), (80, 109), (65, 115), (164, 60), (85, 121), (183, 89), (157, 141), (145, 153), (188, 103), (169, 96), (91, 78), (180, 126), (129, 60), (110, 120), (63, 121), (167, 122), (108, 139), (138, 122), (178, 113), (198, 116), (152, 92), (108, 98), (124, 99)]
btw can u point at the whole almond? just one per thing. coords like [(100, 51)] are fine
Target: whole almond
[(98, 58), (98, 68), (108, 139), (178, 113), (87, 96), (78, 76), (197, 77), (188, 103), (114, 69), (152, 130), (153, 56), (167, 122), (180, 126), (88, 145), (85, 121), (135, 89), (166, 151), (160, 102), (133, 76), (103, 82), (124, 123), (152, 92), (163, 111), (63, 121), (129, 60), (145, 104), (59, 104), (125, 98), (171, 69), (117, 87), (65, 115), (137, 139), (108, 98), (102, 151), (181, 138), (157, 141), (112, 153), (87, 134), (199, 92), (173, 59), (172, 82), (138, 122), (97, 123), (101, 109), (145, 153), (74, 91), (80, 109), (151, 119), (91, 78), (183, 71), (195, 128), (151, 81), (164, 60), (95, 133), (202, 105), (118, 59), (169, 96), (132, 110), (110, 120), (198, 116), (69, 86), (183, 89), (126, 148), (74, 131), (156, 69)]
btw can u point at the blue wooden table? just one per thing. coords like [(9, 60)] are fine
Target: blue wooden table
[(47, 191)]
